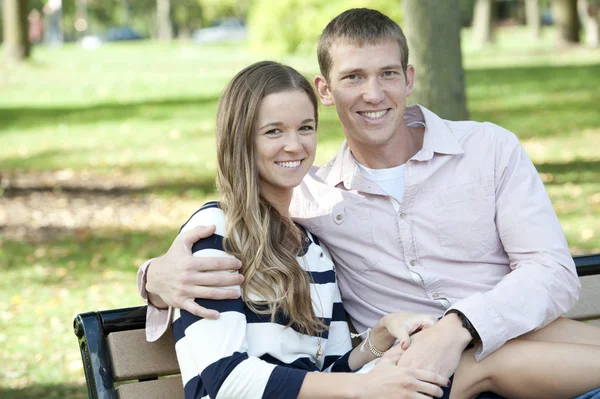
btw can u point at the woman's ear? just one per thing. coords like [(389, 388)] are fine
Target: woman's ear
[(323, 90)]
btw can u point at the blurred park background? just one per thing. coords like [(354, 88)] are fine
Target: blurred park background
[(107, 112)]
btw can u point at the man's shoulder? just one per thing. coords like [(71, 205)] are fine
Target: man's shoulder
[(471, 133)]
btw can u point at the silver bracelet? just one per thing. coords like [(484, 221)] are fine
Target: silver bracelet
[(376, 352)]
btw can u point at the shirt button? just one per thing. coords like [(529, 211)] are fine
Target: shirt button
[(403, 215), (339, 216), (435, 295), (413, 262)]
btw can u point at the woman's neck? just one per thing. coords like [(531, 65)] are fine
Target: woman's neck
[(280, 201)]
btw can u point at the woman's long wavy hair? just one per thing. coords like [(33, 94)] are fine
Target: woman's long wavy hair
[(266, 243)]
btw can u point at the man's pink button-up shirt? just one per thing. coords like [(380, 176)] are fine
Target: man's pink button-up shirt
[(475, 230)]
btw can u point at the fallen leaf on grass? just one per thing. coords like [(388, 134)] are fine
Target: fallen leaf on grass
[(586, 234), (75, 365), (16, 299)]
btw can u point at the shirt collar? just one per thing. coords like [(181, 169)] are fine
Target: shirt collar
[(438, 138)]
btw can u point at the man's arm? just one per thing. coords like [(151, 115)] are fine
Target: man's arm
[(177, 278), (543, 283)]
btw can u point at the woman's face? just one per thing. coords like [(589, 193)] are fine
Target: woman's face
[(285, 142)]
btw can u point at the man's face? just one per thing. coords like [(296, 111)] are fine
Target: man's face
[(369, 90)]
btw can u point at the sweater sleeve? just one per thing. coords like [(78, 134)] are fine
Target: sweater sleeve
[(339, 344)]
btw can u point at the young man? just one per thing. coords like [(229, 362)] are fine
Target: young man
[(420, 214)]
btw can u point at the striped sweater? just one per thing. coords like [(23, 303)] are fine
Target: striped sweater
[(244, 354)]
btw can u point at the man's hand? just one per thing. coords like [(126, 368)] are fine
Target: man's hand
[(437, 348), (177, 278)]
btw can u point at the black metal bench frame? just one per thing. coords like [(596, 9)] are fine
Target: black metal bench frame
[(92, 328)]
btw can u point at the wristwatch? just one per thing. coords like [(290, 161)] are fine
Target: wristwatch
[(467, 326)]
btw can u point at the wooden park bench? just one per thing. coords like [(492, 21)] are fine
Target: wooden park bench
[(120, 363)]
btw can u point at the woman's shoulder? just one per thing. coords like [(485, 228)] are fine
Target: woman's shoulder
[(208, 214)]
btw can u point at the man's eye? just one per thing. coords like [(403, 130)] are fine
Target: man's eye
[(352, 77), (389, 74)]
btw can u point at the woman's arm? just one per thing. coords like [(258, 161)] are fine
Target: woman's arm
[(389, 329), (385, 380)]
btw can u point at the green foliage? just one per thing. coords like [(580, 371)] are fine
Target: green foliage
[(290, 26), (187, 15), (215, 9)]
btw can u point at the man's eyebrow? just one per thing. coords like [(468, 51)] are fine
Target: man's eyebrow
[(359, 70), (350, 71), (392, 66)]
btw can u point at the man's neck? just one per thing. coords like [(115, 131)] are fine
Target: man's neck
[(402, 147)]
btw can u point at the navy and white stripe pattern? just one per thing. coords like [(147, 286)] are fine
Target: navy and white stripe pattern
[(245, 355)]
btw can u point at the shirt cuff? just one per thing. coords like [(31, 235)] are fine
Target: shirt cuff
[(141, 280), (157, 320), (487, 320)]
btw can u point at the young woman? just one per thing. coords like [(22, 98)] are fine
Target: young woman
[(289, 323)]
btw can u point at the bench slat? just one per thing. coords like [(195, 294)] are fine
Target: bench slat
[(132, 357), (588, 306), (156, 389)]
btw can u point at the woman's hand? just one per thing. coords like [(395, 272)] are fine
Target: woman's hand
[(386, 380), (402, 325)]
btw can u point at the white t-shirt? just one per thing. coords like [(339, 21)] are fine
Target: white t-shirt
[(391, 180)]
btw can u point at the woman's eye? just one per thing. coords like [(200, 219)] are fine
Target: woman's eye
[(273, 132), (306, 128), (352, 77)]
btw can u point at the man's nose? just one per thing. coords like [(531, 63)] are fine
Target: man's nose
[(373, 92)]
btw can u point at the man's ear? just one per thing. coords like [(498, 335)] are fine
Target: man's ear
[(323, 90), (410, 79)]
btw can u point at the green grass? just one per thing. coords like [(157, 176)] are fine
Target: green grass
[(146, 111)]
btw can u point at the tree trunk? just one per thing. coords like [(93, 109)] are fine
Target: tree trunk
[(566, 20), (532, 15), (432, 28), (15, 29), (483, 22), (163, 20), (589, 12)]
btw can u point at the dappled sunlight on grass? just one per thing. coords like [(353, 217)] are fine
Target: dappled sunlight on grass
[(45, 284)]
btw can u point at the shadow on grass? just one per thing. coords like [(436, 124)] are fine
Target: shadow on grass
[(577, 172), (83, 253), (536, 101), (189, 186), (25, 117), (161, 180), (50, 391)]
